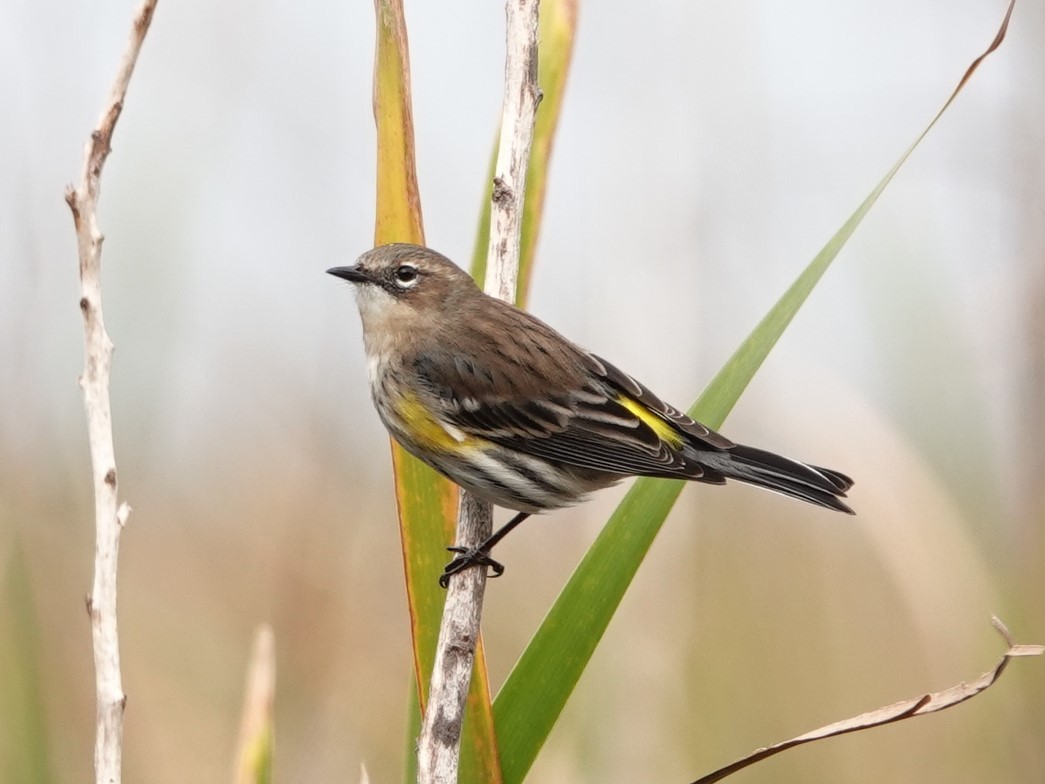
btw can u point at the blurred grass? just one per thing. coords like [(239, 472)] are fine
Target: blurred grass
[(25, 753), (750, 620), (255, 752)]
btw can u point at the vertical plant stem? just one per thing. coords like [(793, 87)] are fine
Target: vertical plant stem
[(109, 515), (439, 745)]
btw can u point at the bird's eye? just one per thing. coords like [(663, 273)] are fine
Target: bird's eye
[(405, 275)]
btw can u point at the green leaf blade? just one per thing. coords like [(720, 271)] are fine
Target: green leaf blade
[(536, 690), (426, 502)]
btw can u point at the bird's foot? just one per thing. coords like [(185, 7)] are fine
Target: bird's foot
[(468, 557)]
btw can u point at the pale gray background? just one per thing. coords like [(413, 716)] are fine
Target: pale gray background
[(706, 152)]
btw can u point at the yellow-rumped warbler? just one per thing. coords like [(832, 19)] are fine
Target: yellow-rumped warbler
[(512, 411)]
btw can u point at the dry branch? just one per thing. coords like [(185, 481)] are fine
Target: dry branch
[(906, 709), (110, 515), (439, 745)]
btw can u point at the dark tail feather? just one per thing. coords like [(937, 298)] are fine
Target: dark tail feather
[(820, 486)]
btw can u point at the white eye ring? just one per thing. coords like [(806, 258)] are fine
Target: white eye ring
[(405, 276)]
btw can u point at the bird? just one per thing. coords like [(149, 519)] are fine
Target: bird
[(512, 411)]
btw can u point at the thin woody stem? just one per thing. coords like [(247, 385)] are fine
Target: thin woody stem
[(438, 750), (110, 515)]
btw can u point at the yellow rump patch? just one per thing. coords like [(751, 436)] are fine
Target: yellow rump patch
[(664, 430), (427, 431)]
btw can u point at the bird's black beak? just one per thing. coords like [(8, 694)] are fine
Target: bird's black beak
[(352, 274)]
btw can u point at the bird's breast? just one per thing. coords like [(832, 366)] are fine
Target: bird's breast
[(406, 416)]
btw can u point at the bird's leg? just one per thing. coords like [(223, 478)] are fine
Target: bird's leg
[(480, 554)]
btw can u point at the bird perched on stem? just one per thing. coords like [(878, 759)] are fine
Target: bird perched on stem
[(512, 411)]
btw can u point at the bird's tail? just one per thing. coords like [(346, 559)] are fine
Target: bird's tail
[(820, 486)]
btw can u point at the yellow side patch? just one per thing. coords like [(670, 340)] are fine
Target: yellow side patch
[(427, 431), (664, 431)]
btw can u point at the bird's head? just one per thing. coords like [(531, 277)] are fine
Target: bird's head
[(401, 287)]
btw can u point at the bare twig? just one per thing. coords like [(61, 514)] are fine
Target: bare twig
[(906, 709), (254, 750), (439, 744), (110, 515), (521, 97)]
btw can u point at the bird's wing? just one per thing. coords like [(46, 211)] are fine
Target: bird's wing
[(699, 436), (551, 399)]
